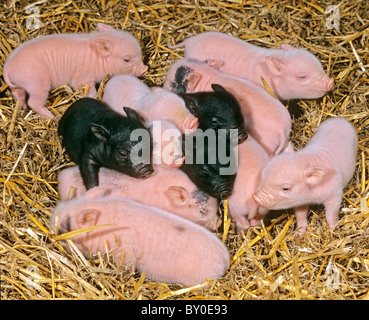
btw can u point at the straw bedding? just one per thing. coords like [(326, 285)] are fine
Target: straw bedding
[(268, 262)]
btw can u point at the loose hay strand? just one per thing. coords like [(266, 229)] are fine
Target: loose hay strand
[(267, 262)]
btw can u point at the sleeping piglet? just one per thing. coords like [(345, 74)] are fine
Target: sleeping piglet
[(211, 161), (47, 62), (166, 247), (266, 119), (167, 144), (95, 136), (243, 209), (315, 174), (159, 104), (290, 72), (166, 189), (217, 109)]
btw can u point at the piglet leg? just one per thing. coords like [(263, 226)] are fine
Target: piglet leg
[(91, 92), (332, 207), (20, 95), (242, 223), (301, 214), (38, 94)]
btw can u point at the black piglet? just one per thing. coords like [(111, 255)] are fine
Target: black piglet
[(95, 136), (217, 109)]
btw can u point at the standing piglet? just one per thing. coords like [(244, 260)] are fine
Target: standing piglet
[(243, 209), (166, 189), (125, 90), (290, 72), (166, 247), (47, 62), (266, 119), (94, 137), (315, 174)]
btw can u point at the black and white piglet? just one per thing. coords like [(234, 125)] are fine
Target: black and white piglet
[(95, 136)]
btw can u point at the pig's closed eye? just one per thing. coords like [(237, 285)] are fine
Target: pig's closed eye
[(122, 154), (302, 77), (205, 169)]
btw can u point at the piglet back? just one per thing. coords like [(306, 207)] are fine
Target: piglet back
[(337, 138), (166, 247)]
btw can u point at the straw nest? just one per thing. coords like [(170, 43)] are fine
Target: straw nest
[(268, 262)]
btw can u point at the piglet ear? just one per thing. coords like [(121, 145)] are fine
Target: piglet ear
[(102, 27), (218, 88), (103, 47), (178, 196), (100, 131), (87, 218), (132, 114), (192, 80), (191, 102), (286, 46), (315, 175), (215, 63), (275, 65)]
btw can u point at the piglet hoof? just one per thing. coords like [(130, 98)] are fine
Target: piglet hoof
[(300, 232), (44, 113), (255, 222), (242, 223)]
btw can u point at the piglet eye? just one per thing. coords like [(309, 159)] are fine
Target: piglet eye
[(286, 188), (123, 154), (205, 169), (302, 77), (126, 60), (203, 211)]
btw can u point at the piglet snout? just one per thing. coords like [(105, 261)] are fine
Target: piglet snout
[(260, 198), (190, 124), (212, 225), (328, 83), (144, 170), (141, 70), (224, 192)]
